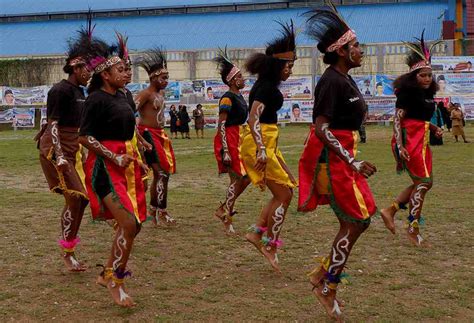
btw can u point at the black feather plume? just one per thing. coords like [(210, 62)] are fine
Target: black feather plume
[(153, 60)]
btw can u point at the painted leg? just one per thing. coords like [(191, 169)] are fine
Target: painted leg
[(70, 222), (414, 219), (153, 196), (325, 290), (121, 248), (282, 195), (256, 231), (162, 193), (388, 214)]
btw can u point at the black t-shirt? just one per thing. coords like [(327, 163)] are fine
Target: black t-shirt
[(107, 117), (236, 108), (338, 98), (65, 104), (269, 94), (417, 103), (129, 96)]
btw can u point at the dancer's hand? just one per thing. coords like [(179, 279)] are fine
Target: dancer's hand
[(363, 167), (404, 155), (144, 167), (226, 159), (439, 132), (62, 164), (261, 160), (122, 160)]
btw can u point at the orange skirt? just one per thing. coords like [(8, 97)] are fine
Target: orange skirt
[(415, 136), (125, 183), (234, 140), (325, 178), (162, 152)]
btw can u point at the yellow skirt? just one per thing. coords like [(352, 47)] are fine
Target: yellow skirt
[(274, 170)]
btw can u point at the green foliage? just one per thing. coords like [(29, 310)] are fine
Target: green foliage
[(25, 72)]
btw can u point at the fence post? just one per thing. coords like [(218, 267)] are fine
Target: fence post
[(380, 58)]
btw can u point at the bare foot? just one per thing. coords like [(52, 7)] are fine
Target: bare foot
[(119, 294), (329, 302), (316, 276), (222, 216), (72, 264), (388, 217), (254, 238), (165, 219), (415, 237), (270, 253), (102, 281), (151, 214)]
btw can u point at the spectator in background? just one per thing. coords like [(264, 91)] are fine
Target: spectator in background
[(198, 116), (446, 114), (437, 120), (458, 122), (8, 97), (184, 120), (174, 122)]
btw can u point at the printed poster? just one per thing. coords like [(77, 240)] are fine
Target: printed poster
[(296, 111), (296, 88), (384, 85), (455, 83), (14, 96), (467, 105), (23, 117), (380, 109), (454, 64), (366, 84), (172, 92)]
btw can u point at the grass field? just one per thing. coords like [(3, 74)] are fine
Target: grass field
[(196, 273)]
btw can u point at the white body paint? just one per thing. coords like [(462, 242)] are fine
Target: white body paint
[(335, 143), (397, 128), (60, 160), (160, 190), (230, 196), (121, 245), (417, 198), (339, 253), (278, 218), (67, 222)]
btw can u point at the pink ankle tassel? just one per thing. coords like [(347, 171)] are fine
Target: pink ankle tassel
[(262, 229), (278, 243), (69, 244)]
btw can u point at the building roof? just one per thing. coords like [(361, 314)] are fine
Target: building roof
[(250, 29), (26, 7)]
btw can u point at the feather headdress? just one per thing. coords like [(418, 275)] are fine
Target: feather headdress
[(328, 28), (283, 47), (122, 48), (154, 62), (227, 69), (419, 55)]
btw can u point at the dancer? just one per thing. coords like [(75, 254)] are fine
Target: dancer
[(233, 113), (329, 172), (60, 151), (415, 105), (151, 106), (113, 170), (262, 158)]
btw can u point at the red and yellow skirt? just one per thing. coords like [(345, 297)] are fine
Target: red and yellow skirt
[(416, 137), (125, 183), (234, 136), (324, 178), (162, 152), (275, 169), (71, 182)]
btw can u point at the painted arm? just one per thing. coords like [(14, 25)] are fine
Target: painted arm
[(61, 161), (322, 131), (256, 130), (397, 132), (438, 132), (92, 144), (226, 159)]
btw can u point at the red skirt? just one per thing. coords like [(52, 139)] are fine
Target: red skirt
[(162, 152), (125, 183), (415, 137), (326, 179), (234, 139)]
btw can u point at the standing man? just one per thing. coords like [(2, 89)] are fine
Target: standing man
[(151, 106)]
